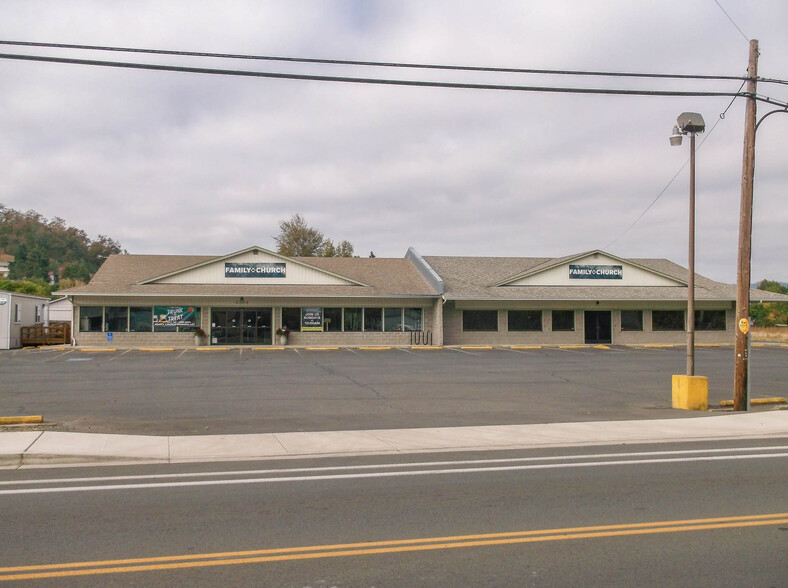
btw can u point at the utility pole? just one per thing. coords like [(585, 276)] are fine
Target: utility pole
[(741, 360)]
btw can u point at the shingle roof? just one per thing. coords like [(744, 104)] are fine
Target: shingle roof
[(474, 278), (123, 274)]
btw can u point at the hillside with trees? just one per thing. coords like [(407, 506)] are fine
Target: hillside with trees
[(47, 251)]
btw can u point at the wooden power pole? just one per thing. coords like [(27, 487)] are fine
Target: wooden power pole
[(741, 361)]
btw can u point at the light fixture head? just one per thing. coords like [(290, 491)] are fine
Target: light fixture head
[(691, 122), (675, 138)]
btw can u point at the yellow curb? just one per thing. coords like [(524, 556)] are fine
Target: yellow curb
[(783, 345), (157, 349), (477, 347), (757, 401), (268, 348), (601, 347), (374, 348), (427, 347), (21, 420), (102, 350), (525, 347), (212, 348), (570, 347), (659, 346), (322, 348), (707, 345)]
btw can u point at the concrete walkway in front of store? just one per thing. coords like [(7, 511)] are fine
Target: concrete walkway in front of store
[(36, 448)]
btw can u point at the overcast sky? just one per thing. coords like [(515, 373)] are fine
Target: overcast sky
[(168, 162)]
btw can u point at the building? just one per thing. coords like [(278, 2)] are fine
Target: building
[(5, 261), (17, 311), (245, 297)]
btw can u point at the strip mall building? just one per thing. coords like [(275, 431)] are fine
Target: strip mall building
[(243, 299)]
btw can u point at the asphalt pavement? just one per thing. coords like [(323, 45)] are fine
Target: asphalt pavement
[(447, 400)]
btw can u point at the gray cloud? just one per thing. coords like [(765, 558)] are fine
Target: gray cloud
[(181, 163)]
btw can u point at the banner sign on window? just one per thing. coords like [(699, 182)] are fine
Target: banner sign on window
[(596, 272), (312, 319), (255, 270), (175, 316)]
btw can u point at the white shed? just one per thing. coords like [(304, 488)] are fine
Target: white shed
[(17, 311)]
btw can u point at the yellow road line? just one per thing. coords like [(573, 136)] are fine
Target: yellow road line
[(379, 547)]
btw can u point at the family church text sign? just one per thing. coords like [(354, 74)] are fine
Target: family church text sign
[(596, 272)]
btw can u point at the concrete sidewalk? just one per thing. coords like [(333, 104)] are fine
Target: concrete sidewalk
[(28, 448)]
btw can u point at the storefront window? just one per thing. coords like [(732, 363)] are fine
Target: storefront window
[(332, 320), (353, 320), (563, 320), (373, 319), (479, 320), (709, 320), (413, 319), (525, 320), (631, 320), (392, 319), (140, 319), (667, 320), (116, 318), (291, 318), (91, 319)]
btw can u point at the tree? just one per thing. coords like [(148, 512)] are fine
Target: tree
[(297, 239), (768, 314)]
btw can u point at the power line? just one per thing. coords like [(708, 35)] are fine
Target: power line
[(370, 63), (733, 22), (358, 80)]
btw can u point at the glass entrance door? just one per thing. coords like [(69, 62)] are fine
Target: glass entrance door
[(598, 326), (247, 326)]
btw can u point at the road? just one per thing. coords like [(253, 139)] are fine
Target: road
[(186, 392), (710, 514)]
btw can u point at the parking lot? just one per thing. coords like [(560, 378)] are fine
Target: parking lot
[(245, 390)]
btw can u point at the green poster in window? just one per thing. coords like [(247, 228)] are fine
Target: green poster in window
[(175, 316), (312, 319)]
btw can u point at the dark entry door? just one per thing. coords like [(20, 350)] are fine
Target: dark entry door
[(598, 326), (235, 326)]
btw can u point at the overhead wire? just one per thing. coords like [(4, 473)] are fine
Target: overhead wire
[(382, 64), (359, 80), (733, 22)]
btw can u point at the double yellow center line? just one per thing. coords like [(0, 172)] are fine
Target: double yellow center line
[(120, 566)]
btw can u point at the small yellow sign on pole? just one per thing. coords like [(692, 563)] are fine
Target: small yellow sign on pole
[(744, 325)]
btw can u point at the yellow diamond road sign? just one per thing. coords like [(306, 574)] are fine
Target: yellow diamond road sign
[(744, 325)]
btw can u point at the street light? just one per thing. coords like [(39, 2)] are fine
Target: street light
[(690, 123)]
